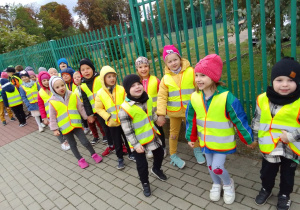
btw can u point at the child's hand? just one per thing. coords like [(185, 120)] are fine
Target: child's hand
[(56, 133), (46, 121), (192, 144), (91, 119), (140, 149), (283, 137), (253, 145), (161, 120)]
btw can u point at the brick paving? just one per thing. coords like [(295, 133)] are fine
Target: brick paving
[(37, 174)]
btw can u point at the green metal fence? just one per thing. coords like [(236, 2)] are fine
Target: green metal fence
[(194, 27)]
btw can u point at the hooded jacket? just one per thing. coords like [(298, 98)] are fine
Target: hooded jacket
[(99, 106), (40, 100), (6, 87), (162, 97), (63, 60), (31, 107)]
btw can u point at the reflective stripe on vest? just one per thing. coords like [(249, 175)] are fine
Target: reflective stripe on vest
[(68, 117), (92, 94), (270, 128), (45, 97), (179, 96), (152, 89), (215, 131), (31, 93), (111, 105), (14, 98), (143, 124), (76, 91)]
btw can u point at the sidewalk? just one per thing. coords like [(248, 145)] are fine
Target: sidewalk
[(37, 174)]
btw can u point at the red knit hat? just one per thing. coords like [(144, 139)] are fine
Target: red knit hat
[(211, 65), (169, 49)]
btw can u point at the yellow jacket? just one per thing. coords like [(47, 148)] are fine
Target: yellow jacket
[(99, 106), (162, 97)]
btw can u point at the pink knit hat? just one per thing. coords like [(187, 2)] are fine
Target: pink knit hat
[(4, 75), (31, 73), (169, 49), (211, 65)]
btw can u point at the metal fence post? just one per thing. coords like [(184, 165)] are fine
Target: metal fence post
[(51, 44), (137, 30)]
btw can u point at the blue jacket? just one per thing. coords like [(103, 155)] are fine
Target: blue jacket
[(63, 60), (30, 107)]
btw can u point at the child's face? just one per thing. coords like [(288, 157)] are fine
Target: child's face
[(284, 85), (136, 90), (173, 61), (52, 72), (110, 79), (66, 77), (203, 82), (25, 79), (10, 73), (45, 83), (86, 71), (143, 70), (33, 77), (63, 66), (59, 87), (77, 78)]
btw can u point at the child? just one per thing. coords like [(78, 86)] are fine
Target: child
[(67, 75), (63, 64), (65, 115), (276, 127), (43, 98), (137, 119), (13, 78), (2, 108), (77, 91), (212, 114), (12, 99), (32, 76), (42, 69), (29, 92), (174, 94), (90, 85), (18, 68), (53, 72), (107, 103), (151, 86)]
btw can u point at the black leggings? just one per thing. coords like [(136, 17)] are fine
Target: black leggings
[(116, 134), (162, 135), (19, 113)]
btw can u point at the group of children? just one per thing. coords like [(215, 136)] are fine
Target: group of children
[(130, 117)]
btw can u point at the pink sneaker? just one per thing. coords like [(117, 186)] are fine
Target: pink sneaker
[(82, 163), (97, 158)]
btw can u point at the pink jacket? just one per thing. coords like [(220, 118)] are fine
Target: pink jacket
[(40, 100)]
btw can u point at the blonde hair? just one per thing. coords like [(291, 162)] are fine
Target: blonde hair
[(214, 85)]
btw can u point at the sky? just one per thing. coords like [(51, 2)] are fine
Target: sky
[(69, 3)]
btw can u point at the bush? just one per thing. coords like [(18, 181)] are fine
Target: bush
[(110, 45), (146, 44)]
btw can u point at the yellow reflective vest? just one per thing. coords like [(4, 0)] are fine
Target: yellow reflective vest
[(179, 96), (270, 127), (1, 99), (143, 124), (45, 97), (68, 117), (215, 130), (111, 105), (152, 89), (14, 98), (92, 94), (31, 93), (73, 87)]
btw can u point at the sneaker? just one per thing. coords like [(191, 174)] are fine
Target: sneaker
[(229, 193), (86, 130), (27, 116), (65, 146), (146, 189), (12, 119), (131, 157), (97, 158), (125, 152), (215, 192), (284, 202), (176, 161), (22, 125), (95, 141), (262, 197), (120, 164), (104, 140), (149, 154), (43, 125), (82, 163), (108, 150), (4, 123), (159, 174), (199, 156), (41, 129), (165, 152)]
